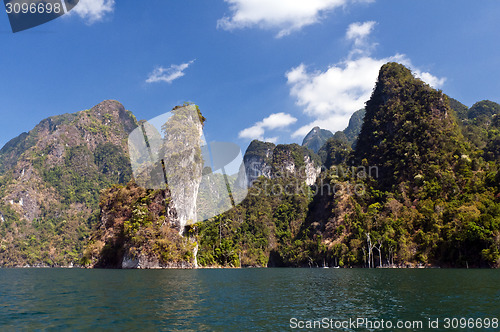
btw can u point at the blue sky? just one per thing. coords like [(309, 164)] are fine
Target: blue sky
[(268, 69)]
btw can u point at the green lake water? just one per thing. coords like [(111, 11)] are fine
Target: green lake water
[(247, 299)]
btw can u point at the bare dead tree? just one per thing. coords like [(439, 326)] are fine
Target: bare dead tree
[(379, 249), (390, 257), (370, 246)]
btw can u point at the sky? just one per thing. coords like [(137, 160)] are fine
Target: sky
[(258, 69)]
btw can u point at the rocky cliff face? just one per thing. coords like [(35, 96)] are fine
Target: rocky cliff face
[(138, 229), (311, 170), (257, 161), (142, 226), (171, 154), (183, 160)]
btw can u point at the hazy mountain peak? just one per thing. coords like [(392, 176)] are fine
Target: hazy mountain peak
[(315, 139)]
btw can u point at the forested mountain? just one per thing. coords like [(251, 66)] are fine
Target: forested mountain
[(50, 180), (427, 195), (271, 161), (412, 181), (409, 130)]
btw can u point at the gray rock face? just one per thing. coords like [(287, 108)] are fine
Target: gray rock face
[(171, 156), (256, 167), (183, 161), (257, 161), (311, 171), (271, 161)]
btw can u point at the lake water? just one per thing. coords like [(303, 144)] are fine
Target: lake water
[(246, 299)]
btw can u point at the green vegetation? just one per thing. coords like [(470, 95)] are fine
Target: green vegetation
[(260, 150), (334, 152), (414, 180), (484, 110), (480, 127), (263, 225), (461, 111)]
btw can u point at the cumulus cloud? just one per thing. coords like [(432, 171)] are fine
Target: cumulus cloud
[(162, 74), (273, 121), (330, 97), (358, 33), (93, 10), (253, 132), (277, 120), (285, 15)]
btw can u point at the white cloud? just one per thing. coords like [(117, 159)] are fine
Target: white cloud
[(430, 79), (93, 10), (359, 31), (273, 121), (285, 15), (161, 74), (434, 81), (253, 132), (278, 120), (270, 139), (330, 97)]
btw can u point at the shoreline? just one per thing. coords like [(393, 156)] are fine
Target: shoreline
[(246, 267)]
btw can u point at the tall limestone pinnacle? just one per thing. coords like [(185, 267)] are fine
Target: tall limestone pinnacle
[(409, 131)]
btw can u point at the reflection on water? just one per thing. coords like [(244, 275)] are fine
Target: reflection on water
[(236, 300)]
